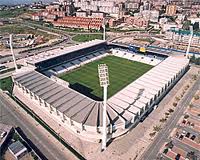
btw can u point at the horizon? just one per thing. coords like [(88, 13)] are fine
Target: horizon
[(17, 2)]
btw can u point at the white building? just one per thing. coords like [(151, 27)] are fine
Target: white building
[(131, 5), (182, 37), (168, 26), (163, 21), (18, 150), (152, 15), (110, 7)]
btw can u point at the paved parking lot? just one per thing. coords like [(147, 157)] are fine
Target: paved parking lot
[(185, 138)]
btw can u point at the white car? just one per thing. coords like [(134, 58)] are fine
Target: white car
[(3, 134), (184, 132)]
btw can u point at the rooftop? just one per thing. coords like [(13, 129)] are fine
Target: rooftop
[(16, 147), (62, 51), (124, 105)]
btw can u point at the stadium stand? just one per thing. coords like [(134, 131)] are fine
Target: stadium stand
[(147, 59), (79, 61), (84, 115), (62, 55)]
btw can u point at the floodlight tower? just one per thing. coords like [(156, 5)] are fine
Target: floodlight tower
[(11, 48), (104, 82), (104, 29), (190, 40)]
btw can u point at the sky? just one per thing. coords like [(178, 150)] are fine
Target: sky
[(13, 2)]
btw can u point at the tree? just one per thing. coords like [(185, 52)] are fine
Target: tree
[(191, 155), (193, 58), (165, 150), (172, 18), (191, 105), (196, 97), (186, 25), (186, 116), (163, 120), (166, 113), (177, 98), (194, 77), (171, 110), (152, 134), (174, 104), (196, 26), (157, 128), (170, 145)]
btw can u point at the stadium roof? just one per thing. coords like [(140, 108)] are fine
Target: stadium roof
[(123, 106), (61, 51), (148, 85)]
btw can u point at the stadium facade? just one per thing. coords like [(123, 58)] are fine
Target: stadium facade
[(83, 115)]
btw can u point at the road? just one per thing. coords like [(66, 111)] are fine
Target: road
[(152, 151), (4, 75), (35, 51), (12, 116), (65, 42)]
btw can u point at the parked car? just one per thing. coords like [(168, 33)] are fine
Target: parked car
[(193, 137), (181, 137), (187, 135), (178, 156)]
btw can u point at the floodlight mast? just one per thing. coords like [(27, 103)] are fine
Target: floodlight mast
[(11, 48), (104, 138), (104, 82), (104, 29), (190, 40)]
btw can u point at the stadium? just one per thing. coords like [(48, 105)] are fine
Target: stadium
[(64, 82)]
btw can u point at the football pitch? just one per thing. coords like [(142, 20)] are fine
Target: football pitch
[(121, 73)]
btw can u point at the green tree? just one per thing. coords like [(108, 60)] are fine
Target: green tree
[(191, 155), (186, 25), (196, 26), (157, 128), (193, 58)]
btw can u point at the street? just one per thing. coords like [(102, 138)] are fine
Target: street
[(34, 51), (152, 151), (7, 74), (9, 114)]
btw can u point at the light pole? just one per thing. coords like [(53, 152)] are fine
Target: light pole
[(104, 29), (190, 40), (11, 48), (104, 82)]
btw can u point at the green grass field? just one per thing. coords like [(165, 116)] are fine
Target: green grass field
[(6, 84), (12, 13), (21, 29), (121, 73), (86, 37)]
